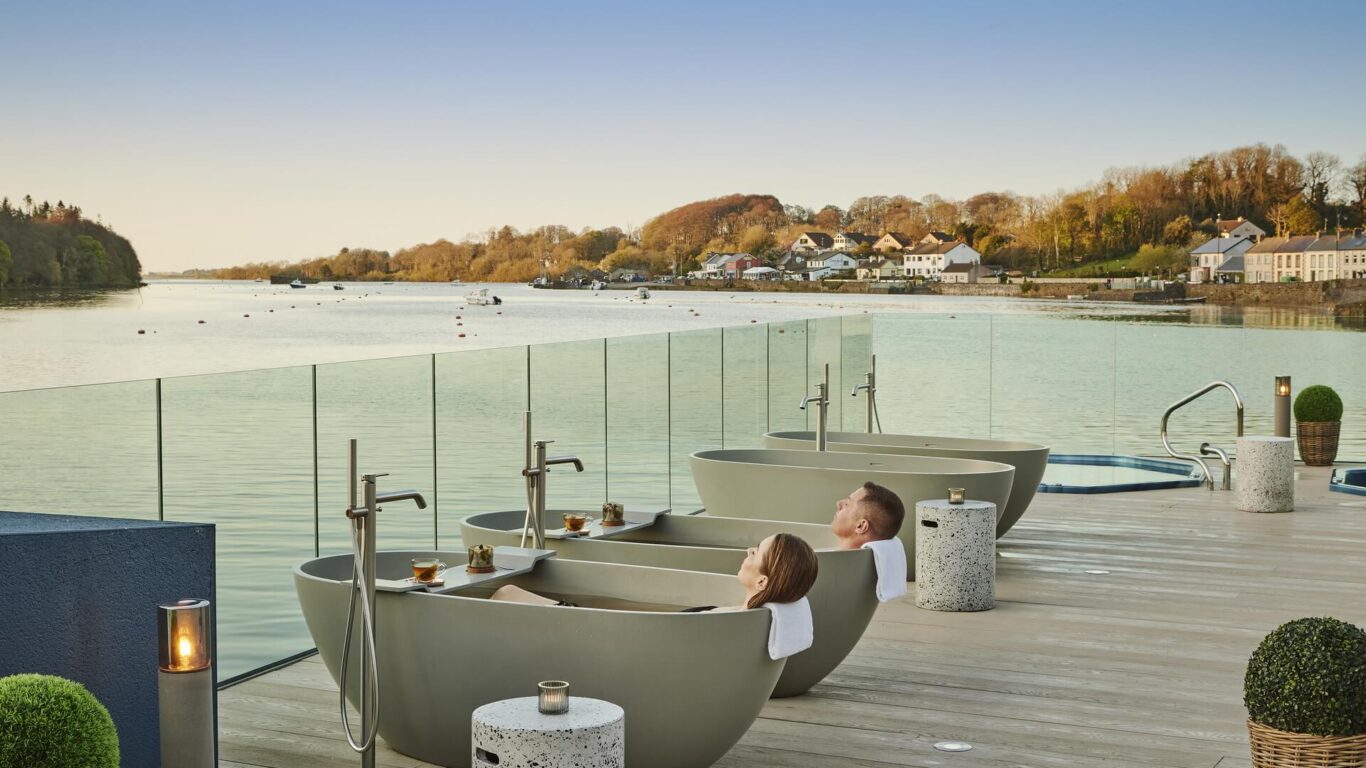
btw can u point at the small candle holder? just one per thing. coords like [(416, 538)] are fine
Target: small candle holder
[(552, 697), (957, 495), (613, 514), (481, 559)]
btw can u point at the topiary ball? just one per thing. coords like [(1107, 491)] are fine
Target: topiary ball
[(1309, 676), (51, 722), (1318, 403)]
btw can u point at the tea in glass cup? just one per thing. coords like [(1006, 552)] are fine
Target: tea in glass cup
[(574, 521), (427, 569)]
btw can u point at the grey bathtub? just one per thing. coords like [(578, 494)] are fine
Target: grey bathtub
[(803, 486), (691, 683), (1028, 459), (842, 600)]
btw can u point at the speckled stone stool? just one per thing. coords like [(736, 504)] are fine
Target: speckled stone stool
[(1266, 474), (513, 734), (955, 555)]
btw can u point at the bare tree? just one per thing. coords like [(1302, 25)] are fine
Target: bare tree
[(1321, 172)]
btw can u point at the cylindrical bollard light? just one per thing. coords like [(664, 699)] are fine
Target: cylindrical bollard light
[(1282, 406), (185, 683)]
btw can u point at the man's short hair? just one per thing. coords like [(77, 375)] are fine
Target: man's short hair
[(885, 512)]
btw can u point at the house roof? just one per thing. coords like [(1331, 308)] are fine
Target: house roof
[(937, 236), (1232, 264), (932, 248), (1228, 225), (902, 240), (819, 238), (1268, 245), (759, 270), (1219, 244), (960, 266), (1338, 243), (1297, 244)]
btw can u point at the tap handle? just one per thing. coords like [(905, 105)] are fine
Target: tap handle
[(371, 478)]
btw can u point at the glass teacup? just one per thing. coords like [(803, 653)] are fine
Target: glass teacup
[(574, 521), (427, 569)]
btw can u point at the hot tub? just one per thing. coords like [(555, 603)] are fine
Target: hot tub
[(1028, 459), (1101, 473), (803, 486), (691, 683), (842, 600)]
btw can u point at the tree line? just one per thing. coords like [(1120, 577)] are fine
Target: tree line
[(44, 245), (1152, 214)]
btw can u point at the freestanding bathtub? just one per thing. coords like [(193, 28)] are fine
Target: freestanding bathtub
[(803, 486), (691, 683), (1028, 459), (842, 600)]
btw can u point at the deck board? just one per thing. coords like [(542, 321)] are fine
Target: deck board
[(1141, 666)]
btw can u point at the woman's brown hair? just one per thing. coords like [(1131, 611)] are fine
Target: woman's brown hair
[(790, 566)]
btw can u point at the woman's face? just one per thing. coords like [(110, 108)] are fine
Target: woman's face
[(751, 574)]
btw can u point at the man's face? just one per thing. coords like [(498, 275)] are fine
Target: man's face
[(849, 516)]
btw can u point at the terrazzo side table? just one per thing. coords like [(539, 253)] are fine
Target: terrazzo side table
[(512, 733), (1266, 474), (955, 555)]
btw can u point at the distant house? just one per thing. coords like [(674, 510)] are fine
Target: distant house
[(893, 241), (812, 274), (575, 274), (813, 242), (937, 237), (850, 241), (735, 264), (761, 273), (966, 272), (881, 269), (711, 267), (792, 262), (1335, 257), (1209, 258), (833, 261), (928, 259), (1240, 227)]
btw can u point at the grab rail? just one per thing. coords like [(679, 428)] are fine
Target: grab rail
[(1205, 448)]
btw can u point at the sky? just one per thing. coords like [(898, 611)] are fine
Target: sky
[(251, 131)]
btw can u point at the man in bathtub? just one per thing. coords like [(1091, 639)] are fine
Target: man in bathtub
[(870, 513)]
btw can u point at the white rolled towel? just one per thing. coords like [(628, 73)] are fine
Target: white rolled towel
[(791, 630), (889, 557)]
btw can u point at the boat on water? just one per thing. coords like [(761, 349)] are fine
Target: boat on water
[(297, 284), (596, 285), (338, 287), (642, 293), (260, 280), (288, 279), (480, 297)]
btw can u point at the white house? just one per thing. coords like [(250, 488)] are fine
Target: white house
[(1240, 227), (1209, 258), (893, 241), (927, 260), (1335, 257), (881, 269), (812, 242), (833, 261), (966, 272), (848, 241)]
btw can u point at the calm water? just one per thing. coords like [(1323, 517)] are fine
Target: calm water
[(261, 453)]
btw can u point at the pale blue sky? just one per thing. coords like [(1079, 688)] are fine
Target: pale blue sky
[(253, 131)]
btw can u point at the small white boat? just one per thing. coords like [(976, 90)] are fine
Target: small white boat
[(480, 297), (596, 285), (642, 292), (297, 283), (260, 280)]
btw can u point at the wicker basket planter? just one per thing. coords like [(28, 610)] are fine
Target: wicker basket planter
[(1282, 749), (1318, 441)]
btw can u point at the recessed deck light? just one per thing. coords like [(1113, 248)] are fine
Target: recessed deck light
[(1097, 571), (952, 746)]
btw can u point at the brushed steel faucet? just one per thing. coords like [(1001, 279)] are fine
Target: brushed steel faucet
[(535, 470), (822, 401)]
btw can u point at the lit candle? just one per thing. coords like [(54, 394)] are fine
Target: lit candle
[(184, 632), (1283, 386), (957, 495), (552, 697)]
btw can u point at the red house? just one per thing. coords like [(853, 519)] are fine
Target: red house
[(736, 263)]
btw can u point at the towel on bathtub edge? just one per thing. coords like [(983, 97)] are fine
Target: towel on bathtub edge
[(889, 557), (791, 630)]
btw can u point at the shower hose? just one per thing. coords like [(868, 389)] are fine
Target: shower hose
[(371, 696)]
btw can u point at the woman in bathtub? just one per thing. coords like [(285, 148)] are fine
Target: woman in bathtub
[(780, 570)]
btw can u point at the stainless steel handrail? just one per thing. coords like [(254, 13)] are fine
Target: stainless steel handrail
[(1205, 448)]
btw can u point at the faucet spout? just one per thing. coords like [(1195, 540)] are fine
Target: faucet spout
[(413, 496), (578, 465)]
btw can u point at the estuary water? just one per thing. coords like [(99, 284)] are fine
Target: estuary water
[(247, 427)]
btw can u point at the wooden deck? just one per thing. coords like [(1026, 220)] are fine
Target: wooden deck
[(1139, 667)]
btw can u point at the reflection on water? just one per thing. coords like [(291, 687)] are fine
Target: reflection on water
[(1288, 318), (62, 297)]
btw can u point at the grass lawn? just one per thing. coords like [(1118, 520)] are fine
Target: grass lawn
[(1110, 267)]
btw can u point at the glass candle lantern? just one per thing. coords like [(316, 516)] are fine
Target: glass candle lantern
[(481, 559), (552, 697), (957, 495), (183, 636), (1281, 421), (613, 514)]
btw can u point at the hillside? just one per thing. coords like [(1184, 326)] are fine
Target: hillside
[(42, 245)]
